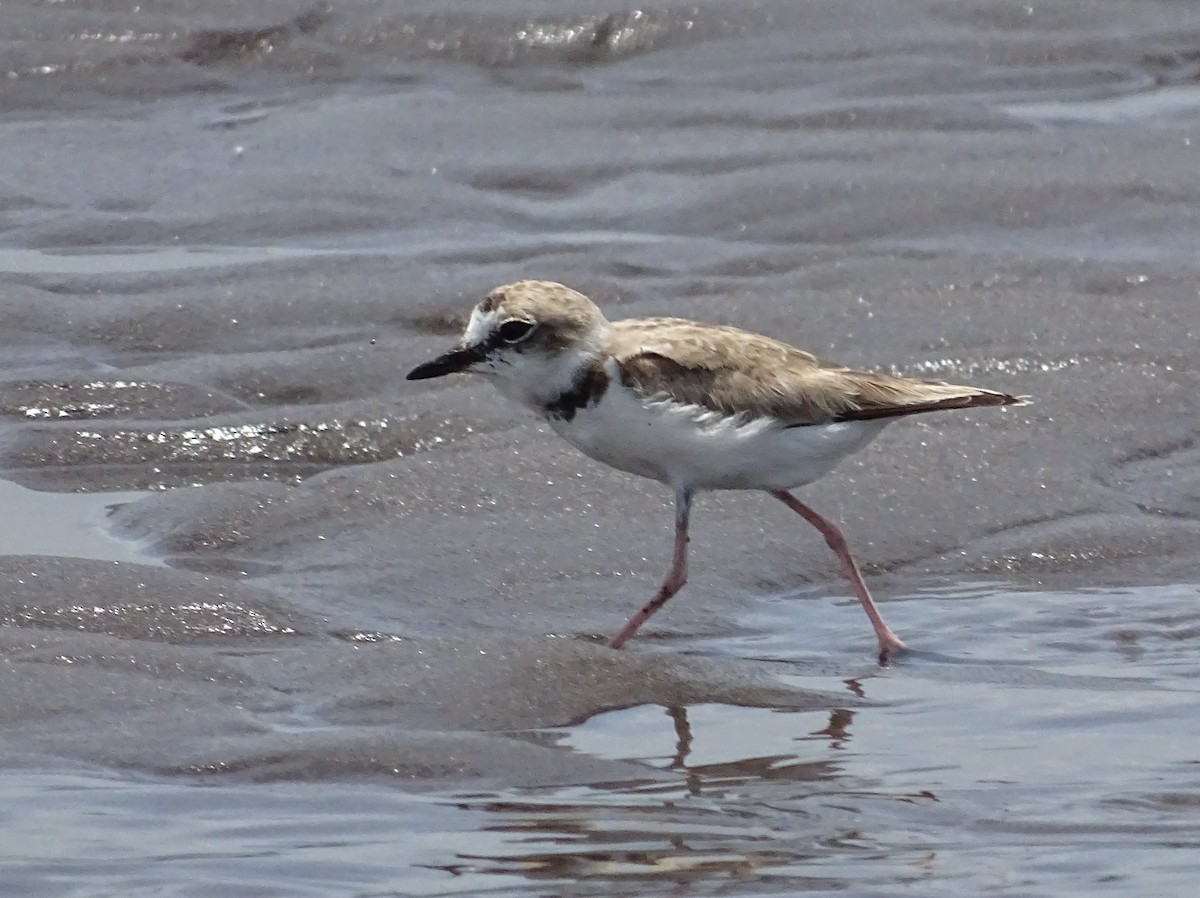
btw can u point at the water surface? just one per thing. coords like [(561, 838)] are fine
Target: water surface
[(276, 621)]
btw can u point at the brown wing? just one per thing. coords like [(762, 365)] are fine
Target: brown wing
[(736, 372)]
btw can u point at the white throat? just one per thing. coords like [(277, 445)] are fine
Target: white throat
[(537, 379)]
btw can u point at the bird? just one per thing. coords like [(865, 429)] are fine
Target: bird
[(694, 406)]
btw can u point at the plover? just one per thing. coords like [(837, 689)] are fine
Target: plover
[(694, 406)]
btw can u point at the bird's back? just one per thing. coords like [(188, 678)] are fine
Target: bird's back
[(737, 372)]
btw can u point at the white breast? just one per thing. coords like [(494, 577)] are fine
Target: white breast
[(686, 445)]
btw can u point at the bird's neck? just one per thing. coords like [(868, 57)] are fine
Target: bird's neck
[(548, 382), (588, 387)]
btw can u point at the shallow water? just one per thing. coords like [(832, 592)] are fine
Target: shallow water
[(1044, 743), (73, 525), (275, 621)]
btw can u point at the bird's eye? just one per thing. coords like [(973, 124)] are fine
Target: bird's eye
[(515, 331)]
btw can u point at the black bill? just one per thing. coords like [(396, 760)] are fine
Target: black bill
[(458, 359)]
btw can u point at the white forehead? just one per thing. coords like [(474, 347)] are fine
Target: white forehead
[(480, 325)]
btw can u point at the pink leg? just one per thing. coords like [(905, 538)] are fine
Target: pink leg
[(676, 576), (888, 641)]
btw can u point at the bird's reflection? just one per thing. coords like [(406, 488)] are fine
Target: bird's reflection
[(684, 831), (854, 684), (683, 735), (683, 748), (757, 767), (838, 727)]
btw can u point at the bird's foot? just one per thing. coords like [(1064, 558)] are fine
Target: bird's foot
[(890, 648)]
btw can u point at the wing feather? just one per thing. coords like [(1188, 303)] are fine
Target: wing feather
[(735, 372)]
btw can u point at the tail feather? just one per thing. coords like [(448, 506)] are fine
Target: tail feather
[(971, 397)]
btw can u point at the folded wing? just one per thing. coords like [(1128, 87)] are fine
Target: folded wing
[(735, 372)]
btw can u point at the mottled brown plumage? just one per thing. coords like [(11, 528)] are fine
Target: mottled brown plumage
[(736, 372)]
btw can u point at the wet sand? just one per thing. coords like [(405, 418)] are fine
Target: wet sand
[(276, 621)]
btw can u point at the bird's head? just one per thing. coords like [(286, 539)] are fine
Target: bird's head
[(530, 337)]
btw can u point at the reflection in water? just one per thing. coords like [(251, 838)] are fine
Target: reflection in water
[(746, 804), (838, 729), (948, 774), (633, 831), (856, 687), (683, 736)]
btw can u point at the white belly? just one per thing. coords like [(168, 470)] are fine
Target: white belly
[(685, 445)]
